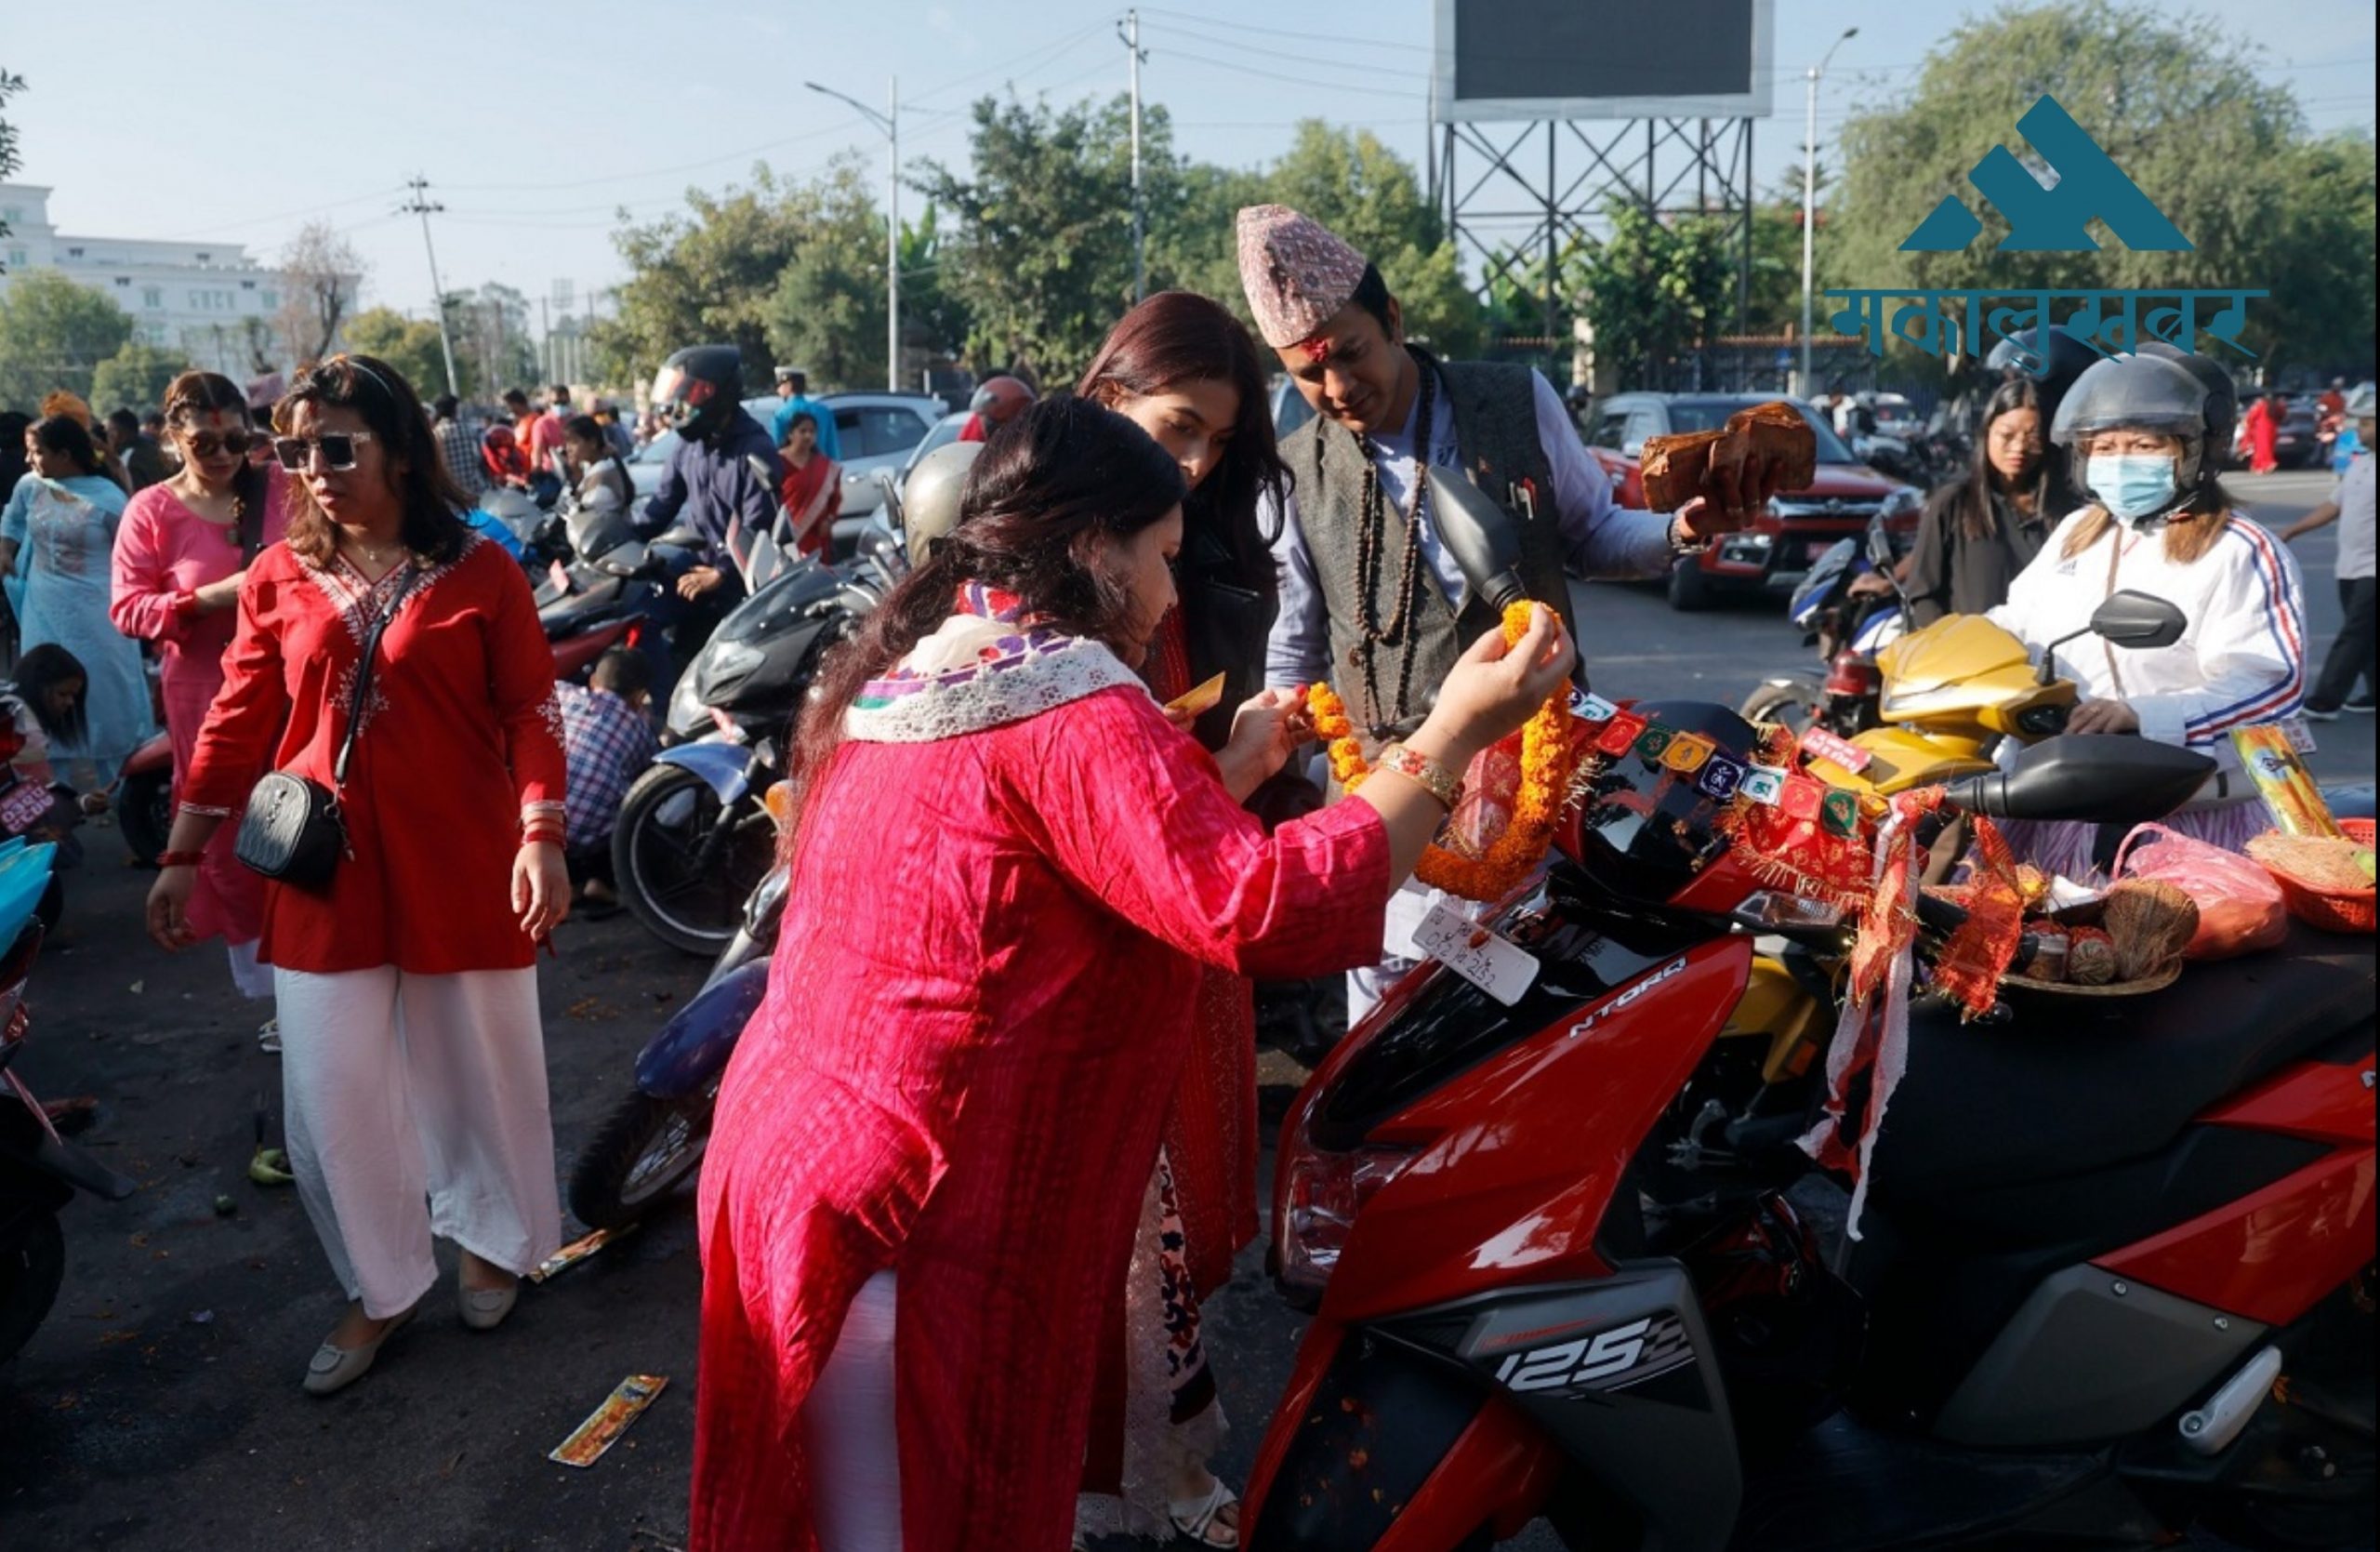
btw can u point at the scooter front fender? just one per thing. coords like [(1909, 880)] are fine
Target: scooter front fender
[(725, 768), (692, 1049)]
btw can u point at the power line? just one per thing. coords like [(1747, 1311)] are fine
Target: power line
[(423, 205)]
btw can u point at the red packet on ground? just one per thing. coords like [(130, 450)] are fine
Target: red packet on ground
[(605, 1423)]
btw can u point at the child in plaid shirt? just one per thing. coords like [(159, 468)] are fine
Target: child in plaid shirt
[(607, 738)]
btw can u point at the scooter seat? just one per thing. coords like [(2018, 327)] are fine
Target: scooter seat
[(2072, 1085)]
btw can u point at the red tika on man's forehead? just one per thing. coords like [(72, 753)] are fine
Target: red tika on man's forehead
[(1317, 349)]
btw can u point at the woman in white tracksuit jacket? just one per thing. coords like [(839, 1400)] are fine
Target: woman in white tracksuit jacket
[(2161, 523)]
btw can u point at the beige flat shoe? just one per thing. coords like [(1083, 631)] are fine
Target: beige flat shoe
[(484, 1309), (335, 1368)]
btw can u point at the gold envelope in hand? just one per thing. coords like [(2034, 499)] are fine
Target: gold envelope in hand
[(1201, 700)]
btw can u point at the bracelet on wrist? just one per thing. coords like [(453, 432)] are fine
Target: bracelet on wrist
[(1683, 540), (179, 859), (1415, 766)]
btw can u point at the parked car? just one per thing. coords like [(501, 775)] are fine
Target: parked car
[(1776, 552)]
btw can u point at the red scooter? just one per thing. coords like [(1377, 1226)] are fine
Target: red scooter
[(2115, 1271)]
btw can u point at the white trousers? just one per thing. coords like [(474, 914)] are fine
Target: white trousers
[(253, 981), (399, 1087), (848, 1431)]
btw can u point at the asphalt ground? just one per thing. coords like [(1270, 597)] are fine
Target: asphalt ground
[(159, 1407)]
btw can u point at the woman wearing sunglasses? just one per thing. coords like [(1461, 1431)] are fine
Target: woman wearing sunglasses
[(185, 545), (413, 1062)]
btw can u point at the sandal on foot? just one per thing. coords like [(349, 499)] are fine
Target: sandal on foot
[(1201, 1519), (334, 1367)]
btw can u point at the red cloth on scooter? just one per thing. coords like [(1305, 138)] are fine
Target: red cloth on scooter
[(461, 743), (982, 989), (163, 552)]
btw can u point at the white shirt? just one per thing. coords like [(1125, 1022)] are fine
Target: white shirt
[(1599, 538), (2353, 497), (2240, 661)]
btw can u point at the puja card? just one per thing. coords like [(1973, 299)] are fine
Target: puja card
[(1479, 954), (1199, 700), (605, 1423)]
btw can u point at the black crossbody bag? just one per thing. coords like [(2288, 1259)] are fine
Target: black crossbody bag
[(293, 829)]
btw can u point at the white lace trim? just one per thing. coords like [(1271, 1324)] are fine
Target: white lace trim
[(994, 695)]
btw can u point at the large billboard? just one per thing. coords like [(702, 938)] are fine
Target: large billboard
[(1603, 59)]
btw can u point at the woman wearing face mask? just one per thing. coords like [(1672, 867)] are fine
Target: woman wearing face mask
[(184, 549), (938, 1131), (2161, 523), (414, 1072), (1978, 533), (1181, 368)]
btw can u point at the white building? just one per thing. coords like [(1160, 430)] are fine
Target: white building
[(208, 301)]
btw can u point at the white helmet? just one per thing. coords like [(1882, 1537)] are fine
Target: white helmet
[(929, 498)]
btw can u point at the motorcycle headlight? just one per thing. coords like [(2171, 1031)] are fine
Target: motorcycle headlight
[(732, 660), (689, 718), (1321, 1197)]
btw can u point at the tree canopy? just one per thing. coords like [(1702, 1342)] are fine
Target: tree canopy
[(54, 334), (410, 345), (136, 378)]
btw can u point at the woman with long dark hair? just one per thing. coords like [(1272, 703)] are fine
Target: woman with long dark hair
[(1006, 868), (61, 520), (413, 1062), (1979, 532), (184, 549), (1183, 369)]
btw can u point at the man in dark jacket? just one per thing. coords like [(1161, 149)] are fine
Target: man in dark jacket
[(723, 478)]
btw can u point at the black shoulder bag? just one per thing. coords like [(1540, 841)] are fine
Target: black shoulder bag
[(293, 829)]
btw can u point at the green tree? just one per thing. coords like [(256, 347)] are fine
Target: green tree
[(1655, 287), (9, 160), (136, 378), (54, 334), (410, 345), (827, 310), (2180, 107), (705, 277)]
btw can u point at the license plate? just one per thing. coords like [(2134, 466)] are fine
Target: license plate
[(23, 807)]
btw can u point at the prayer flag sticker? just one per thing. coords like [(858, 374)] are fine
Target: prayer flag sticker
[(1589, 707), (1720, 777), (1654, 742), (1803, 797), (1764, 784), (1686, 752), (1839, 811), (1619, 735)]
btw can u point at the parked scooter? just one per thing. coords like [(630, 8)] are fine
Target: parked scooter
[(2116, 1271), (40, 1171)]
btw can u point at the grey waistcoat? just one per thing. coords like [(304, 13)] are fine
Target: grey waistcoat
[(1495, 419)]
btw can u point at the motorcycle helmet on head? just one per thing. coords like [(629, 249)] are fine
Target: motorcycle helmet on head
[(2143, 394), (929, 497), (1000, 400), (2222, 393), (2064, 357), (698, 389)]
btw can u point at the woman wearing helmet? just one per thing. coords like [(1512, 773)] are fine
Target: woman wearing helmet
[(2161, 523)]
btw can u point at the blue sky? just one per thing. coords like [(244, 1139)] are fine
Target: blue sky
[(533, 123)]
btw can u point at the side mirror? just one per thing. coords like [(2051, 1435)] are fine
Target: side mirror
[(1880, 547), (2107, 778), (2138, 620), (1483, 537)]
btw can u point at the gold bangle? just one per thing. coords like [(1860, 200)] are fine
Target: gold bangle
[(1432, 777)]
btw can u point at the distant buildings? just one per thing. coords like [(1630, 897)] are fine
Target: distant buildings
[(210, 301)]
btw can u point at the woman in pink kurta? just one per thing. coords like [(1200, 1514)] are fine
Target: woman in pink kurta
[(1008, 869), (180, 553)]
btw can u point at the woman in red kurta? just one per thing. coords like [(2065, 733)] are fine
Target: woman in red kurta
[(1008, 869), (413, 1061), (180, 553)]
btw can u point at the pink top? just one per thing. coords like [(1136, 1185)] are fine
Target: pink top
[(164, 552)]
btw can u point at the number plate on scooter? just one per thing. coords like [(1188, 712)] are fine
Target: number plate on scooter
[(1487, 960)]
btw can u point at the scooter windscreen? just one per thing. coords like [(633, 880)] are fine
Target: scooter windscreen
[(1646, 830)]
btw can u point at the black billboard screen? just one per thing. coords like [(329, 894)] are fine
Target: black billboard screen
[(1507, 50)]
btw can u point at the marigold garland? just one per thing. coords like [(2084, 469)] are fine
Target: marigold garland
[(1547, 755)]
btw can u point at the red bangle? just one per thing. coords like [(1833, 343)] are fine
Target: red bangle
[(541, 835), (181, 859)]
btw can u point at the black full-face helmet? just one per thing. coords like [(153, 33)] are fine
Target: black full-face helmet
[(697, 390)]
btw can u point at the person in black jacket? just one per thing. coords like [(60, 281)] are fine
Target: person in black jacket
[(1978, 532)]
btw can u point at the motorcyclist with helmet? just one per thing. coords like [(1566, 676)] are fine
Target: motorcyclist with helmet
[(2144, 436), (998, 402), (722, 477)]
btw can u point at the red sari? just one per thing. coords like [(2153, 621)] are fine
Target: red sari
[(812, 494), (951, 1076)]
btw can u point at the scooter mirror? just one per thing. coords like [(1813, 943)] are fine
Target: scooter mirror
[(2138, 620), (1880, 547), (2109, 778)]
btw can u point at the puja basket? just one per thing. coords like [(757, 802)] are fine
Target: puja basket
[(2331, 911)]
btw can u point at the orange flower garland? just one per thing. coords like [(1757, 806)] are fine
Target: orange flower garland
[(1546, 758)]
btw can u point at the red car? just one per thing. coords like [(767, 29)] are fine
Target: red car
[(1777, 551)]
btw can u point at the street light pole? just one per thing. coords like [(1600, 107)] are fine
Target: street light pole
[(422, 206), (1809, 197), (1130, 31), (887, 124)]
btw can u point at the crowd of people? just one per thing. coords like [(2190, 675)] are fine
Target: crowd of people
[(1050, 1019)]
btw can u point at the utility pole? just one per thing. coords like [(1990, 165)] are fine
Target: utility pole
[(423, 205), (1809, 200), (1130, 31), (888, 124)]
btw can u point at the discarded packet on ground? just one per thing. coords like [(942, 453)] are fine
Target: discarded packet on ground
[(605, 1423), (576, 1251)]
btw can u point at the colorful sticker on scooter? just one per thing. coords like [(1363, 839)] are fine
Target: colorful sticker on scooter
[(1803, 797), (1720, 777), (1613, 1359), (1820, 743), (1590, 709), (1764, 785), (1686, 752), (1839, 813), (1653, 742), (1621, 736)]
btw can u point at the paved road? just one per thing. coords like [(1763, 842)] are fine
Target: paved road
[(159, 1408)]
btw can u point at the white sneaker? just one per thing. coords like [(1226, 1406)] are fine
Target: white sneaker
[(268, 1036)]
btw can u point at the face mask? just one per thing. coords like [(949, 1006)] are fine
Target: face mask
[(2131, 485)]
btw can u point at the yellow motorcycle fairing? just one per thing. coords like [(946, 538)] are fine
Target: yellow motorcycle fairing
[(1965, 680), (1775, 1008)]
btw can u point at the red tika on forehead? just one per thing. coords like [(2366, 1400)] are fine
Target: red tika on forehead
[(1317, 349)]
